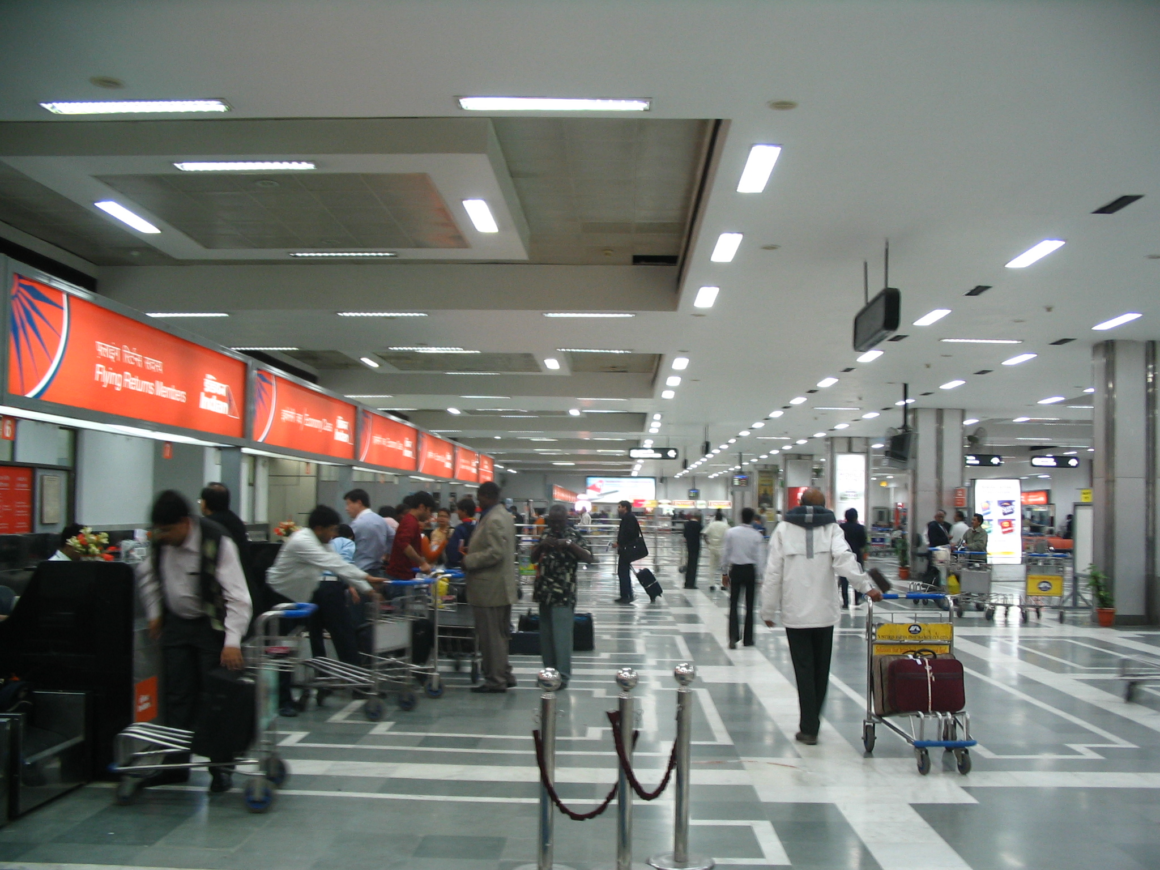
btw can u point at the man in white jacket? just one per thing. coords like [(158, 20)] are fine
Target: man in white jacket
[(807, 553)]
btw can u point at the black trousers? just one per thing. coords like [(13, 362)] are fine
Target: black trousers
[(810, 649), (624, 574), (333, 615), (691, 565), (742, 579), (190, 649)]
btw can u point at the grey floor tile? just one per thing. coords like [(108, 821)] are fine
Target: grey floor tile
[(457, 846)]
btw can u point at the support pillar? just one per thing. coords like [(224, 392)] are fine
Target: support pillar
[(345, 483), (937, 468), (231, 473), (1124, 485)]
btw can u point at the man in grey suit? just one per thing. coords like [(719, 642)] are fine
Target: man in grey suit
[(489, 565)]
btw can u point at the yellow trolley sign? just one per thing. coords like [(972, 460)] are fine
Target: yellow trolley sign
[(903, 638), (1045, 585)]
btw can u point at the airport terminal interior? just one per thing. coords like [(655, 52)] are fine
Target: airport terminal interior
[(707, 257)]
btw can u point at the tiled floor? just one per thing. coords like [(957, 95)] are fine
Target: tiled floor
[(1066, 775)]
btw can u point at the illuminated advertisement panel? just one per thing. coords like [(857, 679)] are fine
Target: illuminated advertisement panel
[(289, 415), (436, 456), (69, 351), (466, 465), (999, 501), (486, 468), (387, 442), (637, 490), (850, 484)]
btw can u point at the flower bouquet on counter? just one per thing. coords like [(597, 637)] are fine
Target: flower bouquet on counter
[(91, 545), (285, 528)]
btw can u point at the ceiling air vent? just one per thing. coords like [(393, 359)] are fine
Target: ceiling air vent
[(1063, 340), (1120, 202), (978, 290), (896, 337), (654, 259), (984, 371)]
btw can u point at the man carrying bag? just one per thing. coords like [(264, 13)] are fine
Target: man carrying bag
[(630, 547)]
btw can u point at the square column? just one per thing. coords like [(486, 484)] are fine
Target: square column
[(937, 466)]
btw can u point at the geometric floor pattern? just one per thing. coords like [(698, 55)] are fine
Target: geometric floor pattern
[(1066, 774)]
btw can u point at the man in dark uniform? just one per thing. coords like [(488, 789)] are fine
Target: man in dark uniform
[(693, 530)]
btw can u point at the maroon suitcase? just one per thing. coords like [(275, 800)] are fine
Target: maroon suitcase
[(925, 685)]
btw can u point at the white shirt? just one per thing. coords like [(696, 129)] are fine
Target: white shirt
[(715, 533), (801, 575), (742, 546), (585, 521), (301, 561), (180, 583), (957, 531)]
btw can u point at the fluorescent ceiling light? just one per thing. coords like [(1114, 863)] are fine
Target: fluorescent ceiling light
[(758, 167), (426, 349), (553, 104), (187, 314), (245, 166), (1090, 390), (757, 425), (591, 350), (870, 415), (455, 411), (368, 361), (314, 255), (706, 296), (680, 363), (970, 421), (263, 348), (656, 416), (485, 397), (673, 381), (950, 385), (133, 107), (774, 452), (588, 314), (602, 411), (471, 373), (1118, 321), (654, 430), (125, 216), (563, 463), (775, 414), (744, 433), (877, 445), (668, 394), (1022, 358), (800, 441), (552, 363), (932, 317), (481, 215), (819, 434), (833, 408), (575, 412), (1051, 400), (367, 396), (797, 400), (596, 399), (716, 451), (381, 314), (982, 340), (1022, 420), (827, 382), (901, 402), (726, 248), (1038, 252), (1082, 407), (870, 356)]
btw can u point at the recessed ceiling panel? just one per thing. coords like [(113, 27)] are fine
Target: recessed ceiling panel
[(461, 362), (325, 360), (637, 363)]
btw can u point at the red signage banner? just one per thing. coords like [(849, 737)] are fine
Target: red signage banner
[(386, 442), (960, 497), (296, 417), (1036, 496), (466, 465), (561, 494), (486, 468), (15, 500), (73, 352), (436, 456)]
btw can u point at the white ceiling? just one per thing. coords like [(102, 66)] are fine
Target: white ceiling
[(962, 132)]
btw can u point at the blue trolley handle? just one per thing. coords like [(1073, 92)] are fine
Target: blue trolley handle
[(295, 609), (421, 581), (916, 596)]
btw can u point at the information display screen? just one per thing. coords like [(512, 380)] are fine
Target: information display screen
[(637, 490), (436, 456), (73, 352), (466, 465), (289, 415), (1000, 503), (486, 468), (387, 442), (878, 320)]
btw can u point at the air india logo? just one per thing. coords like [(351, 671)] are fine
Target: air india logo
[(38, 336), (265, 398)]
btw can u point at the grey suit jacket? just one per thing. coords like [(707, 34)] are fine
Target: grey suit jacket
[(490, 561)]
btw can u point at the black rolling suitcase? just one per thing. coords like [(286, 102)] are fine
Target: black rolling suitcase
[(583, 635), (225, 728), (524, 643), (648, 580)]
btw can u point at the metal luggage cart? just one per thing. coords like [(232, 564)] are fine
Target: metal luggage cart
[(455, 636), (391, 657), (140, 750), (974, 577), (901, 638), (1137, 671), (1044, 581)]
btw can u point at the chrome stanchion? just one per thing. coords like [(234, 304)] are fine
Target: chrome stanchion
[(679, 858), (549, 680), (626, 680)]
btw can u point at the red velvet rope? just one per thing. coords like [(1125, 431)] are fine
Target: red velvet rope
[(626, 765), (551, 790)]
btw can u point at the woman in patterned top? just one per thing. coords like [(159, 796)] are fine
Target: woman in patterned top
[(557, 554)]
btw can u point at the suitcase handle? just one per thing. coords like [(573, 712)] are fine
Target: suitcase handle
[(295, 609)]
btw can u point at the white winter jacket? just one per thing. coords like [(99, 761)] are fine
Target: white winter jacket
[(801, 574)]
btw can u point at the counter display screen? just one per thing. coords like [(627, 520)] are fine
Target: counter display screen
[(70, 351), (466, 465), (289, 415), (436, 456), (387, 442)]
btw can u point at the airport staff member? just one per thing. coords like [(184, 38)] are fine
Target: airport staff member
[(490, 569), (806, 552), (741, 559), (195, 596)]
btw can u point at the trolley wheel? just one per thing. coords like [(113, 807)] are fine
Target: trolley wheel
[(1129, 695), (980, 606), (475, 672), (959, 611), (943, 604), (407, 700), (989, 615), (303, 700), (868, 737), (457, 663), (923, 758), (374, 709), (1061, 617), (434, 687), (276, 771), (258, 795), (963, 761), (127, 789), (1039, 613)]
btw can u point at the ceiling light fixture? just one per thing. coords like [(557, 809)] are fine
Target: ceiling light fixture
[(902, 402), (1051, 400), (1022, 358), (366, 360), (819, 434), (932, 317), (706, 296), (552, 363), (316, 255), (575, 412), (680, 363), (982, 340), (126, 217), (381, 314), (673, 381), (133, 107), (744, 433), (797, 400), (800, 441), (1021, 420), (870, 356), (480, 215), (588, 314), (757, 425), (427, 349), (591, 350), (243, 349), (471, 373), (870, 415), (485, 397), (656, 416), (877, 445), (668, 394), (950, 385), (827, 382), (970, 421), (553, 104), (773, 415), (726, 248), (1038, 252), (187, 314), (454, 411), (1118, 321), (841, 425), (758, 167), (245, 166)]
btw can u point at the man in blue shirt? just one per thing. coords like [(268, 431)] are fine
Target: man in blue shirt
[(465, 507), (370, 532)]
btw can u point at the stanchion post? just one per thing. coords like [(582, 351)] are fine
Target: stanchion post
[(549, 681), (626, 680), (679, 858)]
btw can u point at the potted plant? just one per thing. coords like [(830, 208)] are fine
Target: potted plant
[(902, 551), (1102, 593)]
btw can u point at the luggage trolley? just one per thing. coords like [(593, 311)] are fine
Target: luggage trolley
[(974, 577), (391, 660), (1044, 581), (1136, 671), (914, 639), (455, 636), (140, 750)]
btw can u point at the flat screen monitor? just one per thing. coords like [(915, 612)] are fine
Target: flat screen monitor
[(898, 450), (878, 320)]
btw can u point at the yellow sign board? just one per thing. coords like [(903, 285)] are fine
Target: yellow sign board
[(1045, 585), (905, 632), (1085, 495), (899, 649)]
